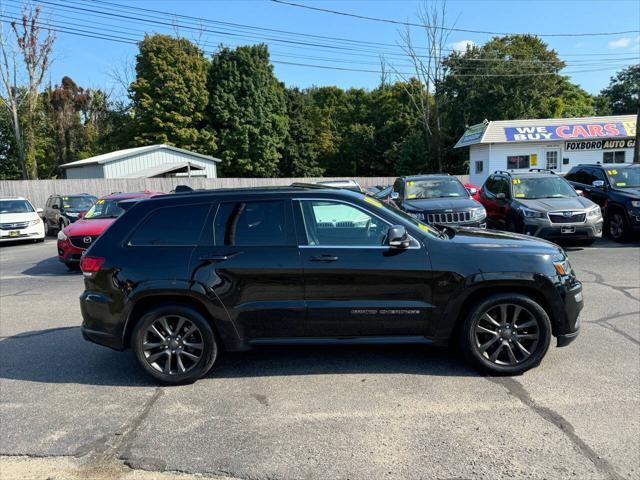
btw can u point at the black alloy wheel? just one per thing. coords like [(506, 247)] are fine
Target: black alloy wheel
[(617, 226), (175, 345), (506, 334)]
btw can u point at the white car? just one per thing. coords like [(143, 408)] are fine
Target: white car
[(19, 220)]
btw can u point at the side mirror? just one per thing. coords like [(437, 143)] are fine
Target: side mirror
[(39, 211), (598, 183), (472, 191), (55, 207), (394, 195), (501, 196), (580, 192), (397, 237)]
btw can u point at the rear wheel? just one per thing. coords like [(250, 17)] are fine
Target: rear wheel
[(47, 230), (175, 344), (506, 334)]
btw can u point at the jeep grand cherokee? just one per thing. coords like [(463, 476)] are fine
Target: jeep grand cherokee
[(179, 277)]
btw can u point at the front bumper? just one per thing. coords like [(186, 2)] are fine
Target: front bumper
[(634, 219), (34, 232), (568, 317), (543, 228), (67, 253)]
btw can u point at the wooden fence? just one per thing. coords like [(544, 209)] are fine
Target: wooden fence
[(39, 190)]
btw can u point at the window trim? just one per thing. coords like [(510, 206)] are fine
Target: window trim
[(415, 244)]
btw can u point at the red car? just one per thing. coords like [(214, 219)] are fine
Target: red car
[(474, 191), (76, 237)]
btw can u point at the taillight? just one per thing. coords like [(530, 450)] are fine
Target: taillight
[(91, 264)]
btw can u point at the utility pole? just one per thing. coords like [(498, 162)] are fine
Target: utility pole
[(636, 148)]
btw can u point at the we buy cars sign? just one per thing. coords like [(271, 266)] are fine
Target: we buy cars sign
[(571, 131)]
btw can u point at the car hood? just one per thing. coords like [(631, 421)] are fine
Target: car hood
[(494, 241), (550, 204), (630, 192), (438, 204), (88, 227), (18, 217)]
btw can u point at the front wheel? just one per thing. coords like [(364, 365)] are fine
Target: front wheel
[(506, 334), (175, 344), (618, 227)]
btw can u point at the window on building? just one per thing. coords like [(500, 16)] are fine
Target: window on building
[(259, 224), (613, 157), (172, 226), (517, 161), (552, 159), (479, 166)]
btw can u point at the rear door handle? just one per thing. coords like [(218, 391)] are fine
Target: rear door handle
[(326, 257), (218, 258)]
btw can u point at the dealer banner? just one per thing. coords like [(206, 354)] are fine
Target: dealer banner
[(572, 131), (599, 144)]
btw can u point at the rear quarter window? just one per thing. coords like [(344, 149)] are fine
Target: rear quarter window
[(171, 226)]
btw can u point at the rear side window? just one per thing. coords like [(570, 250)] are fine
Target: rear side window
[(172, 226), (259, 224)]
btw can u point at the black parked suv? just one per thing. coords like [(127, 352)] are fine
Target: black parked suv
[(61, 210), (438, 200), (179, 277), (539, 203), (616, 188)]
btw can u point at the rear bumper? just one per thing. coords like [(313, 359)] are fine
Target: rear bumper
[(99, 325)]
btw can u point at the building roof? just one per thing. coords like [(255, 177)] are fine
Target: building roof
[(549, 130), (130, 152), (165, 168)]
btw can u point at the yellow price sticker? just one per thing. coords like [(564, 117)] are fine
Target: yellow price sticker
[(411, 184), (519, 195), (67, 206), (423, 227), (621, 184), (100, 202), (515, 181), (612, 172), (373, 202), (411, 195)]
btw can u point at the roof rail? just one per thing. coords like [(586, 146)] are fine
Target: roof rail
[(542, 170), (503, 172), (311, 185)]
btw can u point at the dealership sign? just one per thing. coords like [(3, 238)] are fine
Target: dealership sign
[(569, 131), (599, 144)]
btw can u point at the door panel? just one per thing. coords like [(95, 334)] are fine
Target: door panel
[(364, 288), (250, 262)]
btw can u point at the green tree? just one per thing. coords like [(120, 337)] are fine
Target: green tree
[(622, 96), (9, 162), (300, 151), (170, 95), (248, 111)]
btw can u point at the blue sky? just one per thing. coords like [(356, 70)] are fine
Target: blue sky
[(91, 62)]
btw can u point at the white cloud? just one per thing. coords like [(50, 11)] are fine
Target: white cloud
[(462, 45), (624, 42)]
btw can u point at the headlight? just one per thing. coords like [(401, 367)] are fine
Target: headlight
[(61, 235), (562, 265), (528, 213), (71, 214), (35, 222), (635, 203), (478, 213), (594, 212)]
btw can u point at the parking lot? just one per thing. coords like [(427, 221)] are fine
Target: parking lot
[(71, 409)]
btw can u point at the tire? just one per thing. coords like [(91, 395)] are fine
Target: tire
[(532, 333), (73, 266), (617, 226), (47, 230), (163, 352)]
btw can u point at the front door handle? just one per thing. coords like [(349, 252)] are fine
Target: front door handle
[(218, 258), (325, 257)]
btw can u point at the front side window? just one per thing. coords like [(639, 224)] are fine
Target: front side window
[(56, 202), (15, 206), (500, 185), (613, 157), (252, 224), (172, 226), (435, 188), (338, 224), (544, 187), (517, 161)]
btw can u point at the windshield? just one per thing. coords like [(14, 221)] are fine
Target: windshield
[(15, 206), (105, 209), (624, 177), (78, 203), (435, 188), (543, 187)]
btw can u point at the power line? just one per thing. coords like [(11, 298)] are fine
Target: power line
[(452, 29)]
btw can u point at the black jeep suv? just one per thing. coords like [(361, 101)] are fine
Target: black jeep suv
[(179, 277), (438, 200), (616, 188)]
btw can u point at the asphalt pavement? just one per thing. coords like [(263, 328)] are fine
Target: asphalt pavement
[(361, 412)]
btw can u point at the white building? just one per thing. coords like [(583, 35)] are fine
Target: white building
[(551, 143), (153, 161)]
